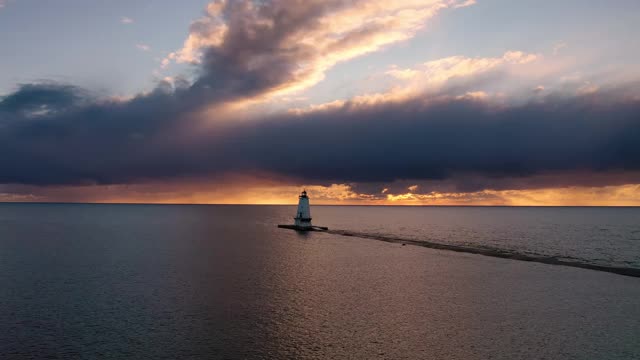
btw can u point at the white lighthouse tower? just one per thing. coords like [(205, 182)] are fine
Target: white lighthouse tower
[(303, 216)]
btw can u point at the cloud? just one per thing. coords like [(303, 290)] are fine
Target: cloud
[(402, 74), (454, 76), (439, 130), (40, 99), (255, 49), (439, 71), (240, 191), (463, 183), (465, 4), (588, 88), (557, 47), (126, 20), (143, 47), (419, 139), (625, 195), (149, 138)]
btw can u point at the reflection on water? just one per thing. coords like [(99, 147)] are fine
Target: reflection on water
[(169, 282)]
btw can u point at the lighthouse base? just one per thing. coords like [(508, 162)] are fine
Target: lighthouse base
[(304, 228)]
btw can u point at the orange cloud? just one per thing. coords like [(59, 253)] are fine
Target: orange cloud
[(437, 72), (428, 79), (623, 195), (246, 191)]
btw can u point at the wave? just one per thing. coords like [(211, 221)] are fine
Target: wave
[(493, 252)]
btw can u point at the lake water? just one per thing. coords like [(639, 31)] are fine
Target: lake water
[(202, 282), (594, 235)]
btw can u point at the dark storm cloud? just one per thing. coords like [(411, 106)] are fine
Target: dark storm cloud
[(256, 54), (413, 140), (48, 97), (57, 134), (114, 142), (248, 48), (77, 140), (474, 182), (70, 139)]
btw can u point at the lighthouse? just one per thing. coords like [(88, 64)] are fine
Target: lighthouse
[(303, 216)]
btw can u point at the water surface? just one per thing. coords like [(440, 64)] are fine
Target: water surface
[(167, 282)]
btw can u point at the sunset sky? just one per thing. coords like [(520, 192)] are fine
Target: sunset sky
[(414, 102)]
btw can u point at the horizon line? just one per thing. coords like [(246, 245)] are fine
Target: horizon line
[(294, 204)]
